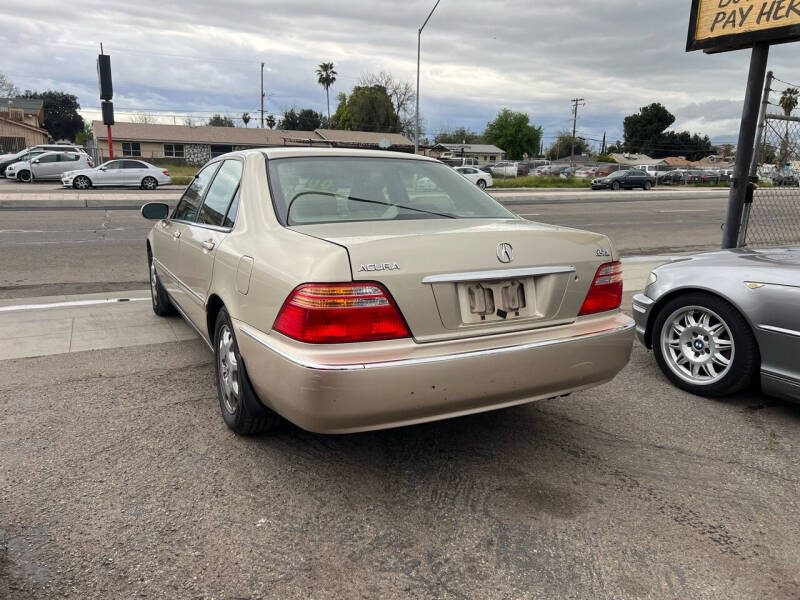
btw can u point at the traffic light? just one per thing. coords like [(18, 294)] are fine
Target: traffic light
[(108, 112), (104, 77)]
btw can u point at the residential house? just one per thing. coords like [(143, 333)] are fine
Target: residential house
[(21, 124), (483, 153), (196, 145)]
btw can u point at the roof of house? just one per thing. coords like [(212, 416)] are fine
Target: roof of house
[(24, 125), (676, 161), (635, 159), (342, 136), (473, 148), (30, 106), (242, 136)]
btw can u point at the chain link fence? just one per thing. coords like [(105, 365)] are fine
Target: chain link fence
[(773, 218)]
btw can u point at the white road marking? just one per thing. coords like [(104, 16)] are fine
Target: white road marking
[(530, 215), (683, 210), (67, 304)]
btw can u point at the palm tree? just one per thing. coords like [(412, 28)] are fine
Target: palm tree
[(788, 102), (326, 77), (270, 121), (245, 118)]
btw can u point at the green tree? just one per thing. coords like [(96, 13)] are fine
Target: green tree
[(84, 135), (643, 130), (727, 150), (370, 108), (326, 77), (303, 120), (61, 118), (562, 146), (615, 148), (645, 133), (512, 132), (460, 135), (270, 121), (245, 118), (403, 96), (341, 118), (220, 121), (788, 102), (605, 158)]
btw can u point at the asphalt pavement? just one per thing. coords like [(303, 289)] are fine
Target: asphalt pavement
[(120, 480)]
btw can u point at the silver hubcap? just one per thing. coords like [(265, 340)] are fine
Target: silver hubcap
[(697, 345), (81, 183), (149, 184), (228, 370), (153, 282)]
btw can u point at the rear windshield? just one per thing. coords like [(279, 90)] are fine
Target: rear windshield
[(337, 189)]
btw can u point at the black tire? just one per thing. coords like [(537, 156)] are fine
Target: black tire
[(81, 182), (745, 359), (615, 186), (647, 186), (149, 183), (24, 176), (481, 184), (162, 305), (247, 416)]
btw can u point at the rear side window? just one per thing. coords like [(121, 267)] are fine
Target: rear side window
[(335, 189), (133, 164), (49, 158), (221, 193), (190, 202)]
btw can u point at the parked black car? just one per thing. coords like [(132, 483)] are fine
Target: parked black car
[(633, 178), (781, 178), (671, 177)]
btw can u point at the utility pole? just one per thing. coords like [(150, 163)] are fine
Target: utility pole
[(576, 102), (419, 44), (262, 95)]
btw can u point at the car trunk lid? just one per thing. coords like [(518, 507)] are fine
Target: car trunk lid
[(449, 279)]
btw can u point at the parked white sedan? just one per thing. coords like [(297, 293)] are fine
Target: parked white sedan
[(48, 165), (123, 172), (480, 178)]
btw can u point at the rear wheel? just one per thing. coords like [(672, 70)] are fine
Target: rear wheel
[(241, 409), (149, 183), (481, 184), (704, 345), (81, 182), (24, 176), (647, 185), (615, 186)]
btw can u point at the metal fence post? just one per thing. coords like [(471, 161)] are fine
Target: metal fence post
[(744, 148)]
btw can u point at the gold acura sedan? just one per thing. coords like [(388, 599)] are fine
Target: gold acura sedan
[(351, 290)]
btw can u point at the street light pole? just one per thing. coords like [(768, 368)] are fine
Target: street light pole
[(419, 44)]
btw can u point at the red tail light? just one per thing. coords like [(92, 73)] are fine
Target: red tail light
[(606, 291), (336, 313), (165, 172)]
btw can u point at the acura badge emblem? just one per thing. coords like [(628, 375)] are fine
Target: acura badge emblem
[(505, 253)]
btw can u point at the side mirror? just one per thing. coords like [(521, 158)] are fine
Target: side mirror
[(155, 211), (101, 168), (36, 161)]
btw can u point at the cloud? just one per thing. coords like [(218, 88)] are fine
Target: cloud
[(201, 56)]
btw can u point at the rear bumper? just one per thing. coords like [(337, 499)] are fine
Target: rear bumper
[(343, 388)]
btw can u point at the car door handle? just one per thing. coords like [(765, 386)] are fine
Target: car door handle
[(208, 245), (176, 234)]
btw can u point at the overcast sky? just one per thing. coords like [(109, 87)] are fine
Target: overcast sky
[(477, 57)]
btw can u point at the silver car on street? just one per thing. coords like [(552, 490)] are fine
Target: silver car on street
[(125, 172), (48, 165), (719, 321)]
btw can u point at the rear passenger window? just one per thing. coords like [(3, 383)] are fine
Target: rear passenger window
[(221, 193), (190, 203)]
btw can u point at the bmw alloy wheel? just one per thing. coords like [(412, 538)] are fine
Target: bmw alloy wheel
[(228, 370), (698, 345)]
